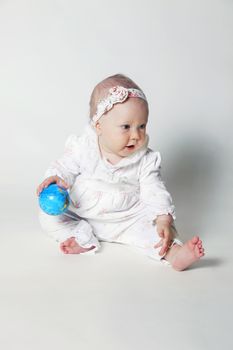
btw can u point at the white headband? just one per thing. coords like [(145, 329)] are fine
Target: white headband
[(117, 94)]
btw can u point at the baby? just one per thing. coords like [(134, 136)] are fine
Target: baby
[(114, 181)]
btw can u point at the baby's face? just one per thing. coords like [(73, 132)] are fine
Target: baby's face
[(122, 130)]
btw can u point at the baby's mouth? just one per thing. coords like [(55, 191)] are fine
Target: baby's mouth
[(130, 147)]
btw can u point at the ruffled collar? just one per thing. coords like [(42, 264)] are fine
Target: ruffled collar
[(131, 159)]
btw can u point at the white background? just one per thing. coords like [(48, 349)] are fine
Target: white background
[(180, 53), (53, 53)]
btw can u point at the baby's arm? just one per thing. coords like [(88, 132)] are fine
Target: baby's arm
[(154, 193), (64, 170), (152, 189)]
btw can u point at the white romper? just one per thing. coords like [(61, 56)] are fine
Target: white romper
[(113, 203)]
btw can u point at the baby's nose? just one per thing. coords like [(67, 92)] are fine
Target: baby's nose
[(135, 134)]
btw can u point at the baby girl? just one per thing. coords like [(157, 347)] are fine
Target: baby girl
[(114, 182)]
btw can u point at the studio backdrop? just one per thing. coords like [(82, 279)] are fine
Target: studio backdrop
[(53, 53)]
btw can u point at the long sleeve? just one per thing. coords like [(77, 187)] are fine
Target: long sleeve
[(67, 166), (152, 189)]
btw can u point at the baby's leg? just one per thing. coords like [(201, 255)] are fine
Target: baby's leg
[(143, 234), (74, 234)]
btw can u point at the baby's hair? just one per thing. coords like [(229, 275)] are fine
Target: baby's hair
[(101, 89)]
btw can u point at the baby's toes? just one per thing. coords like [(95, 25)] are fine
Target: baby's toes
[(195, 240), (68, 250), (62, 245), (200, 252), (66, 244), (63, 248)]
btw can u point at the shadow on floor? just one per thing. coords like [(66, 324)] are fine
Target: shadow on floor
[(207, 262)]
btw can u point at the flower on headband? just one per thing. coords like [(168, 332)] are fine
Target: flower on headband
[(118, 94)]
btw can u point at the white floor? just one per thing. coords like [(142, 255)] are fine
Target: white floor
[(117, 299)]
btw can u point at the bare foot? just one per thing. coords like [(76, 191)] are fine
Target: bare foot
[(182, 257), (70, 246)]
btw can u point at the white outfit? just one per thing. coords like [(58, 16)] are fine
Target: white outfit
[(113, 203)]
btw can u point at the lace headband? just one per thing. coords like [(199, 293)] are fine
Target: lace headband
[(117, 94)]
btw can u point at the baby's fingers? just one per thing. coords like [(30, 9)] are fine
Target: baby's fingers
[(164, 247), (45, 184), (38, 190), (49, 181), (159, 244), (62, 183), (41, 187)]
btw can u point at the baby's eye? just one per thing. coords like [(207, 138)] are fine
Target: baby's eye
[(125, 127), (143, 126)]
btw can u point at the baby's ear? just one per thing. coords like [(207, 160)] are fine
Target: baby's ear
[(97, 128)]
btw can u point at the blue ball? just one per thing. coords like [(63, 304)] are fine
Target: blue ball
[(54, 200)]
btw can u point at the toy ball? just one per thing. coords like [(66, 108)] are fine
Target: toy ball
[(54, 200)]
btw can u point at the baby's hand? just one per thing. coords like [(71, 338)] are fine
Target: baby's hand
[(166, 233), (52, 179)]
